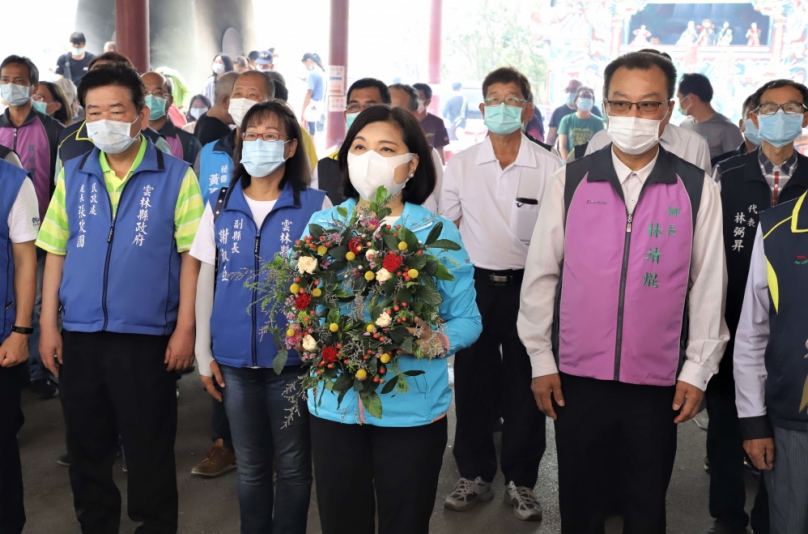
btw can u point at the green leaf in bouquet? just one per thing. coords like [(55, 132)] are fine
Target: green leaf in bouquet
[(342, 212), (428, 280), (406, 346), (333, 316), (280, 361), (417, 308), (343, 383), (381, 197), (443, 273), (358, 385), (429, 296), (316, 230), (417, 261), (409, 237), (389, 286), (388, 386), (431, 266), (337, 266), (402, 295), (444, 244), (434, 234), (391, 241), (277, 262), (399, 334), (338, 253), (373, 404), (413, 373), (341, 396)]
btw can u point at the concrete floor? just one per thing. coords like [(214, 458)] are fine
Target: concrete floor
[(211, 506)]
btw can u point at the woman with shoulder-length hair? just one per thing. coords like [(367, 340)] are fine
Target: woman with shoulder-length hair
[(265, 208), (221, 64), (365, 464)]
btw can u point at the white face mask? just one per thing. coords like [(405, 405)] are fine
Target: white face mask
[(633, 135), (197, 112), (370, 171), (239, 107), (110, 136), (218, 68), (77, 50)]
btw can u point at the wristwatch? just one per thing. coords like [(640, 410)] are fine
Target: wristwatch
[(22, 330)]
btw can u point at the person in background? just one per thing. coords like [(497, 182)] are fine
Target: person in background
[(216, 122), (221, 65), (315, 92), (33, 135), (270, 190), (771, 372), (282, 93), (620, 388), (433, 126), (198, 106), (51, 100), (535, 126), (241, 64), (750, 132), (567, 108), (110, 46), (116, 362), (493, 192), (19, 214), (395, 462), (694, 95), (455, 110), (362, 94), (158, 99), (75, 64), (252, 56), (72, 94), (173, 112), (579, 127), (264, 62)]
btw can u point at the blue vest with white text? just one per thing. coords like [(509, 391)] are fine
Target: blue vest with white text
[(11, 180), (242, 247), (215, 166), (122, 274)]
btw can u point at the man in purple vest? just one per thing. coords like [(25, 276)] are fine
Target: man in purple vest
[(159, 99), (627, 256)]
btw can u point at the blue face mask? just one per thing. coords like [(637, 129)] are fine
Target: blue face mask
[(571, 99), (157, 107), (41, 107), (15, 95), (585, 104), (261, 158), (780, 128), (349, 119), (751, 132), (503, 119)]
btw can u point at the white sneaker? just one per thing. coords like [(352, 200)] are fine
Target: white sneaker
[(467, 493), (525, 504)]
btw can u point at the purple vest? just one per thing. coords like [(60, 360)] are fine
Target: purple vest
[(30, 142), (625, 277), (175, 144)]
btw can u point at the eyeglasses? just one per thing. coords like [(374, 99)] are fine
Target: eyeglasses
[(355, 107), (252, 136), (623, 106), (38, 98), (510, 101), (770, 108)]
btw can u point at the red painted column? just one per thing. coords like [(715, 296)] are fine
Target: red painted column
[(337, 57), (435, 56), (132, 31)]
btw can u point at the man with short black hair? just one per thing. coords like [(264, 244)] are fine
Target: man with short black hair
[(634, 234), (123, 216), (159, 99), (75, 64), (694, 95), (494, 191), (433, 126)]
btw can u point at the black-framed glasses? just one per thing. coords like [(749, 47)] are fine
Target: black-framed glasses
[(792, 108), (252, 136), (645, 107)]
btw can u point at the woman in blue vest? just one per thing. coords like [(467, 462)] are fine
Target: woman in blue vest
[(265, 208), (394, 461)]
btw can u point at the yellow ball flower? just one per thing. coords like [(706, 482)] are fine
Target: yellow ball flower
[(290, 332), (294, 288), (350, 256), (316, 293), (385, 358), (321, 250), (361, 374), (413, 273), (334, 327), (371, 328), (370, 275), (402, 246)]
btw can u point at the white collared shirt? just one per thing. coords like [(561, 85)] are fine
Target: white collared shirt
[(686, 144), (708, 334), (496, 228)]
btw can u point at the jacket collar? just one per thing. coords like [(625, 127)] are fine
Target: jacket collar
[(236, 199), (151, 162), (800, 210), (28, 120), (168, 129), (662, 173), (226, 144), (525, 157)]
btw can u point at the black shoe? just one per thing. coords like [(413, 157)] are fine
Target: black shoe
[(718, 528), (45, 388), (64, 460)]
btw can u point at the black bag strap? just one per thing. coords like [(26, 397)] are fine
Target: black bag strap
[(217, 210), (68, 70)]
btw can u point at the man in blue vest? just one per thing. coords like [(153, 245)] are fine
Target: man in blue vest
[(19, 213), (770, 368), (117, 234), (215, 163)]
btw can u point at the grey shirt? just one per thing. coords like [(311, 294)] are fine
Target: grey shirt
[(722, 134)]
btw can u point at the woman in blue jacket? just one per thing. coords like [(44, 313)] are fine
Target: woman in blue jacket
[(363, 463), (266, 206)]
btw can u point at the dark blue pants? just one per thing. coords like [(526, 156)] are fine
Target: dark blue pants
[(12, 514), (257, 406)]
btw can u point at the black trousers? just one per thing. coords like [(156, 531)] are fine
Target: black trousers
[(12, 513), (605, 427), (219, 424), (117, 383), (725, 452), (402, 465), (523, 432)]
